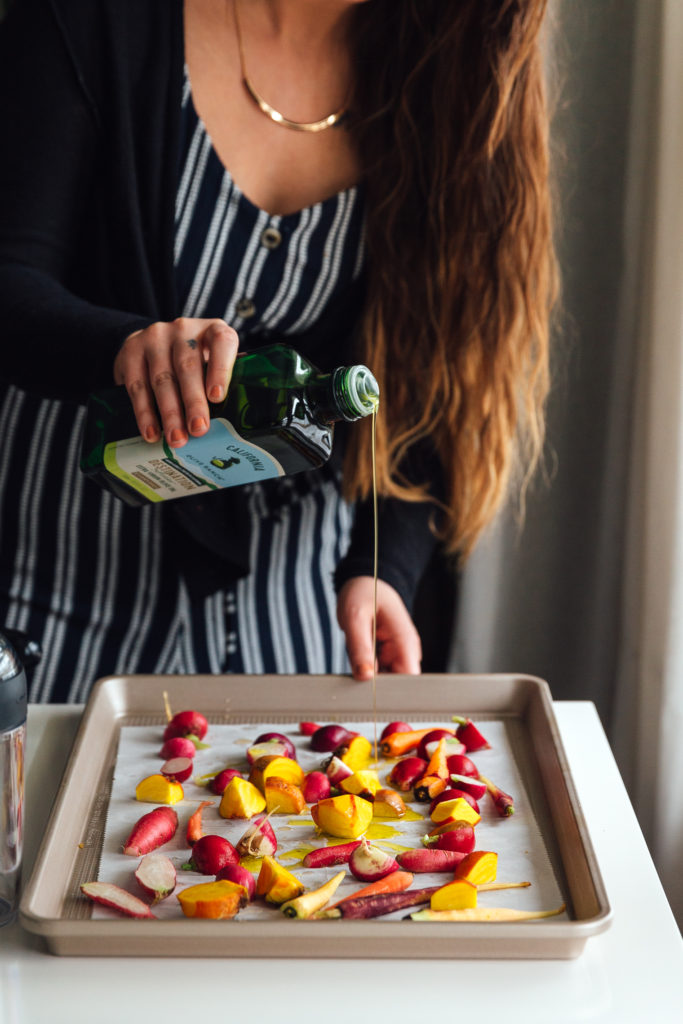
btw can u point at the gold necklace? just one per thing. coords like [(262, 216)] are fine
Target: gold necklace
[(271, 112)]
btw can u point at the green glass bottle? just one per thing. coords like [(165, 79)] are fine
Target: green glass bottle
[(278, 418)]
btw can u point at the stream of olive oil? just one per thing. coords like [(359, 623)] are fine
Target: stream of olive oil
[(374, 577)]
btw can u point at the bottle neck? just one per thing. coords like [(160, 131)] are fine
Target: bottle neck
[(348, 393)]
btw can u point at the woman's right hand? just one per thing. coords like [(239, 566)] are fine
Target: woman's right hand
[(176, 368)]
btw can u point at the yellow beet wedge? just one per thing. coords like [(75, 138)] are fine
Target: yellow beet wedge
[(212, 899), (361, 783), (157, 789), (346, 817), (357, 753), (478, 867), (241, 799), (269, 766), (388, 804), (283, 797), (276, 883), (457, 810), (457, 895)]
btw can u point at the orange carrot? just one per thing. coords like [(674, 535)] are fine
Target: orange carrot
[(437, 762), (397, 881), (399, 743), (194, 825)]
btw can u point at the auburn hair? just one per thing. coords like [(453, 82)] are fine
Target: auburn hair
[(451, 126)]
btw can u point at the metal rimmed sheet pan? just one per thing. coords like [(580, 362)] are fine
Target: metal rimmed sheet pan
[(520, 706)]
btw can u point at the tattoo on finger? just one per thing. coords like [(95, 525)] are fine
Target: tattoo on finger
[(192, 342)]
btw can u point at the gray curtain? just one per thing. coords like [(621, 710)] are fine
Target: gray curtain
[(545, 598)]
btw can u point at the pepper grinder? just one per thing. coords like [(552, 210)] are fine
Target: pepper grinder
[(12, 750)]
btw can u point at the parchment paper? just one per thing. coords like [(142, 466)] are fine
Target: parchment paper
[(522, 855)]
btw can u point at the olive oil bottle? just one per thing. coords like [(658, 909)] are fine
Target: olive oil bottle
[(278, 418)]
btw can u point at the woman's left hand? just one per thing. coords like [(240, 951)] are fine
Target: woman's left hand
[(398, 642)]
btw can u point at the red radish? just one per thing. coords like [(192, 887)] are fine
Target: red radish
[(460, 764), (277, 737), (407, 772), (118, 899), (187, 723), (177, 746), (503, 802), (194, 824), (258, 841), (461, 839), (385, 903), (328, 737), (211, 853), (177, 769), (236, 873), (308, 728), (151, 831), (453, 794), (156, 876), (328, 856), (395, 727), (475, 787), (468, 734), (219, 782), (316, 787), (453, 746), (433, 736), (368, 862), (270, 748), (422, 861), (335, 770)]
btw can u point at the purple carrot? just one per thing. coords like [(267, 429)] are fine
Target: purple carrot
[(384, 903)]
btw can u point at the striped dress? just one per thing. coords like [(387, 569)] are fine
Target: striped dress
[(94, 581)]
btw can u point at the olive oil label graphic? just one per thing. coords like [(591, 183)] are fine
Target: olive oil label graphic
[(220, 458)]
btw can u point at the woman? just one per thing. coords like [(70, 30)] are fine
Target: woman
[(168, 201)]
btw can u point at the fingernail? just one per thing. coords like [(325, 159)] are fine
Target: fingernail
[(364, 669), (176, 437), (216, 393), (151, 433), (197, 425)]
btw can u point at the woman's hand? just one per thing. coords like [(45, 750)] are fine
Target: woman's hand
[(398, 642), (163, 367)]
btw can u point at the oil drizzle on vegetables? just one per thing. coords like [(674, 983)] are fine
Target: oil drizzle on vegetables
[(374, 578)]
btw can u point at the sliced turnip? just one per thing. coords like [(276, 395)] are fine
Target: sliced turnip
[(277, 737), (258, 841), (336, 770), (368, 863), (269, 748), (113, 896), (156, 876), (177, 769), (475, 787)]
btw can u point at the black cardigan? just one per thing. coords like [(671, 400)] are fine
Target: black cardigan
[(90, 99)]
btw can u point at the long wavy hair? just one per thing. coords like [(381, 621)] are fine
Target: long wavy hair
[(451, 125)]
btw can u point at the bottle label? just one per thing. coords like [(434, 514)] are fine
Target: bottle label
[(220, 458)]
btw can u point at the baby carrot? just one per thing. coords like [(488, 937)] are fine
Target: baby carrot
[(194, 825), (400, 743), (397, 881)]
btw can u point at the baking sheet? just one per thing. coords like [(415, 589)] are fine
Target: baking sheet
[(544, 842), (518, 840)]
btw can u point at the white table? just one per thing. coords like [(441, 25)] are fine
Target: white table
[(633, 972)]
